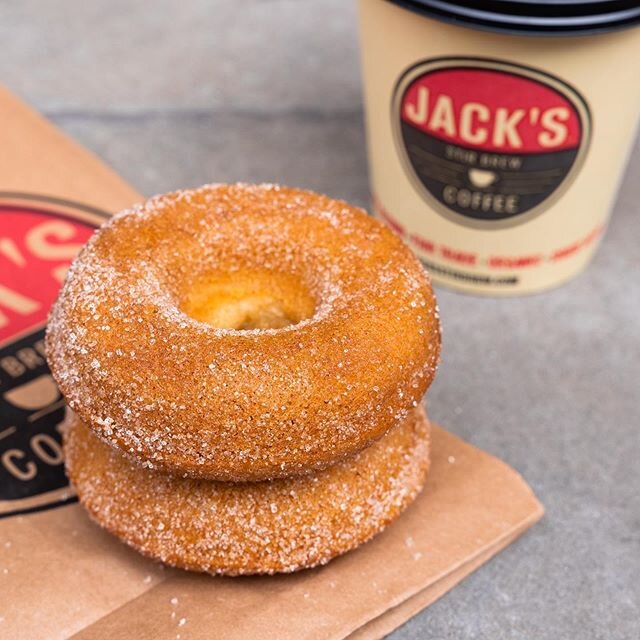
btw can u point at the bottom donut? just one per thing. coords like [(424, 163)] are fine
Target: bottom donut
[(254, 527)]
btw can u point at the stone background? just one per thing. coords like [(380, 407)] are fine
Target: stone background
[(177, 93)]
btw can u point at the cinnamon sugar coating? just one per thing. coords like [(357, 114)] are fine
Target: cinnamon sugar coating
[(253, 527), (243, 404)]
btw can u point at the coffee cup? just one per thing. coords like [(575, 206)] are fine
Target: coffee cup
[(497, 138)]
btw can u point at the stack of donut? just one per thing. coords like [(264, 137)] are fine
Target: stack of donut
[(243, 367)]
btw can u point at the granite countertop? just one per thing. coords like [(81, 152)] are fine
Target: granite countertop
[(183, 92)]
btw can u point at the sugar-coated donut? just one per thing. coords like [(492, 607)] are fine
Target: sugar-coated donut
[(252, 527), (239, 332)]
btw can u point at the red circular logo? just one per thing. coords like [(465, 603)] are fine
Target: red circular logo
[(488, 141), (38, 239)]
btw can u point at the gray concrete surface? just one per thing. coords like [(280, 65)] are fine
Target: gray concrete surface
[(176, 93)]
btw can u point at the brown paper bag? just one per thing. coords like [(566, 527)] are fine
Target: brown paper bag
[(64, 577)]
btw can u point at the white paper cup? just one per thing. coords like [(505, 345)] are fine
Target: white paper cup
[(496, 148)]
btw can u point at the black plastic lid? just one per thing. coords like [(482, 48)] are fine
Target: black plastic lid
[(542, 18)]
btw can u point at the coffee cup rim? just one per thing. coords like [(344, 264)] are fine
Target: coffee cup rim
[(525, 17)]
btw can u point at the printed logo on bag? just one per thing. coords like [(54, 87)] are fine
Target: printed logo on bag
[(488, 144), (38, 239)]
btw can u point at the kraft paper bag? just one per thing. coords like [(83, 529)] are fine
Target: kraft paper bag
[(61, 576)]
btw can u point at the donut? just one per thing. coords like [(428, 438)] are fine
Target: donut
[(252, 527), (243, 333)]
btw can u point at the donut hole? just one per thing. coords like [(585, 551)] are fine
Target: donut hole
[(249, 299)]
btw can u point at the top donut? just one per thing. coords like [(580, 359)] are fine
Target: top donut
[(238, 332)]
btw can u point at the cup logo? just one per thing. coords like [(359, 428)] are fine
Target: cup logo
[(488, 144), (38, 239)]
